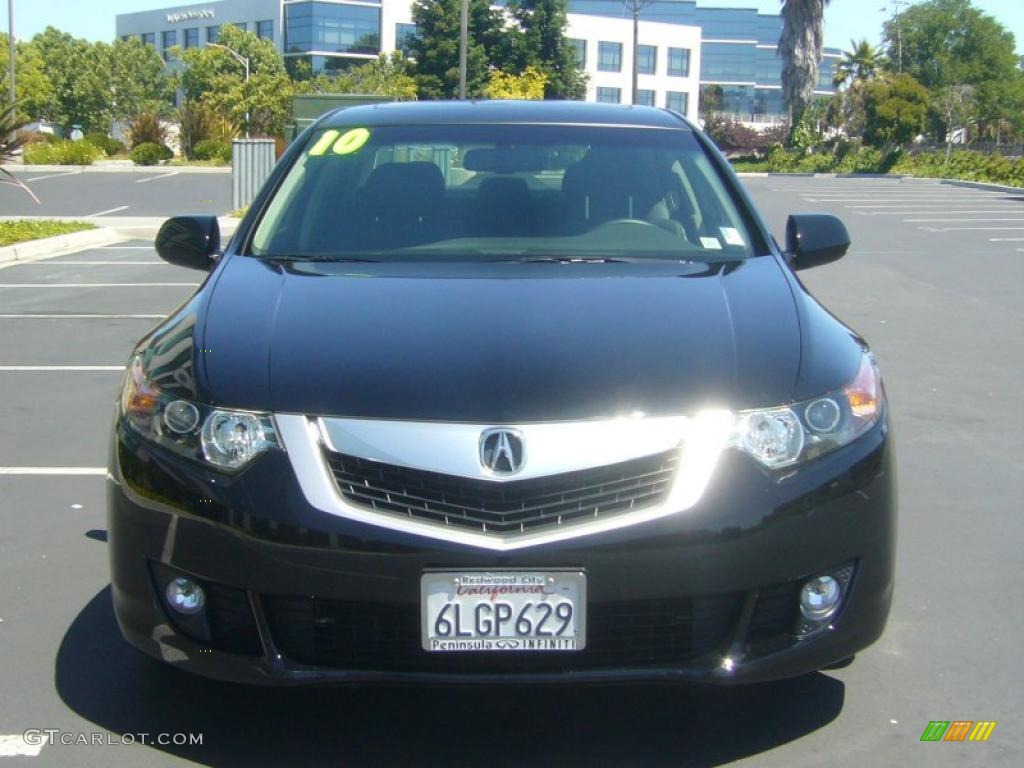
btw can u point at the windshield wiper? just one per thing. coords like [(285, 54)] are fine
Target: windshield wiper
[(570, 260), (322, 258)]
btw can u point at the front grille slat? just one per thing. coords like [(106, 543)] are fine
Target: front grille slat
[(504, 507)]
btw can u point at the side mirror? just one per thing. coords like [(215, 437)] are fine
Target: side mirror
[(189, 241), (813, 239)]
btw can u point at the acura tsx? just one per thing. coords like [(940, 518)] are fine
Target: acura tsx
[(501, 391)]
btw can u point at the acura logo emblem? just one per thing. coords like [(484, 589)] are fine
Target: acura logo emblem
[(501, 451)]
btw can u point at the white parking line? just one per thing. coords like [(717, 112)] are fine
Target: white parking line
[(51, 176), (93, 316), (1006, 239), (933, 221), (154, 178), (123, 248), (53, 470), (56, 368), (922, 213), (104, 213), (98, 285), (14, 744), (971, 229), (48, 262)]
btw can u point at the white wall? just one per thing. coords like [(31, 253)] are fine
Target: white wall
[(594, 29)]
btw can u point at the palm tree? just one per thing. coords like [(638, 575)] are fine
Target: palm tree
[(860, 63), (800, 48)]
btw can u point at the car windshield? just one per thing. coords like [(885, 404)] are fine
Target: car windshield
[(503, 192)]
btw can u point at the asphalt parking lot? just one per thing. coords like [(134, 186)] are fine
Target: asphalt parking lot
[(164, 191), (933, 282)]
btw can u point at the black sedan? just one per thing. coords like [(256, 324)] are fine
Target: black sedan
[(501, 391)]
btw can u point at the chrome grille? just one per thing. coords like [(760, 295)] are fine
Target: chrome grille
[(504, 507)]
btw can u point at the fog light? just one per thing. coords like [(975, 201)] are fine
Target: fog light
[(820, 597), (185, 596)]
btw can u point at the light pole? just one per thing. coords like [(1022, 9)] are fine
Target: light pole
[(637, 6), (10, 48), (463, 47), (897, 6), (244, 61)]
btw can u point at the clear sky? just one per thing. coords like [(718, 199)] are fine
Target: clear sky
[(844, 19)]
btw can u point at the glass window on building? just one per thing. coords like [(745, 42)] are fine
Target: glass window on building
[(609, 95), (404, 34), (332, 27), (242, 25), (646, 59), (213, 33), (149, 38), (125, 38), (645, 97), (677, 101), (580, 48), (265, 30), (609, 56), (192, 38), (679, 62), (168, 40)]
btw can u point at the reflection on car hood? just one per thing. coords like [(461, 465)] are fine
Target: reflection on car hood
[(499, 343)]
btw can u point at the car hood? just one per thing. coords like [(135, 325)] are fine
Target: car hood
[(498, 343)]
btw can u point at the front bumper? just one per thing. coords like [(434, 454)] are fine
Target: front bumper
[(300, 597)]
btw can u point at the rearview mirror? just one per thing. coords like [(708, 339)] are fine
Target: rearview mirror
[(815, 238), (189, 241)]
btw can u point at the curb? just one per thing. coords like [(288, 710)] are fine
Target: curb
[(894, 176), (62, 245), (981, 185), (20, 168)]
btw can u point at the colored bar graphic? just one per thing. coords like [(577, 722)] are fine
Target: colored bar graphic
[(982, 730), (935, 730), (958, 730)]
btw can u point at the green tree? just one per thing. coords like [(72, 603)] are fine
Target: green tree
[(435, 47), (530, 84), (387, 75), (138, 79), (950, 42), (261, 105), (79, 74), (999, 108), (33, 91), (384, 76), (858, 64), (896, 107), (800, 47), (537, 39)]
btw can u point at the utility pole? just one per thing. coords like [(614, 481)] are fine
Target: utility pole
[(10, 48), (637, 6), (897, 8), (463, 47)]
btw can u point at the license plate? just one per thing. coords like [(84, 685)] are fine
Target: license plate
[(503, 611)]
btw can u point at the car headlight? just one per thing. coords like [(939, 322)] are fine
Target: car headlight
[(788, 435), (227, 439)]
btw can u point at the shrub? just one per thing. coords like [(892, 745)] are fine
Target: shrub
[(146, 128), (218, 151), (222, 129), (109, 146), (150, 154), (34, 137), (62, 153), (196, 121)]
